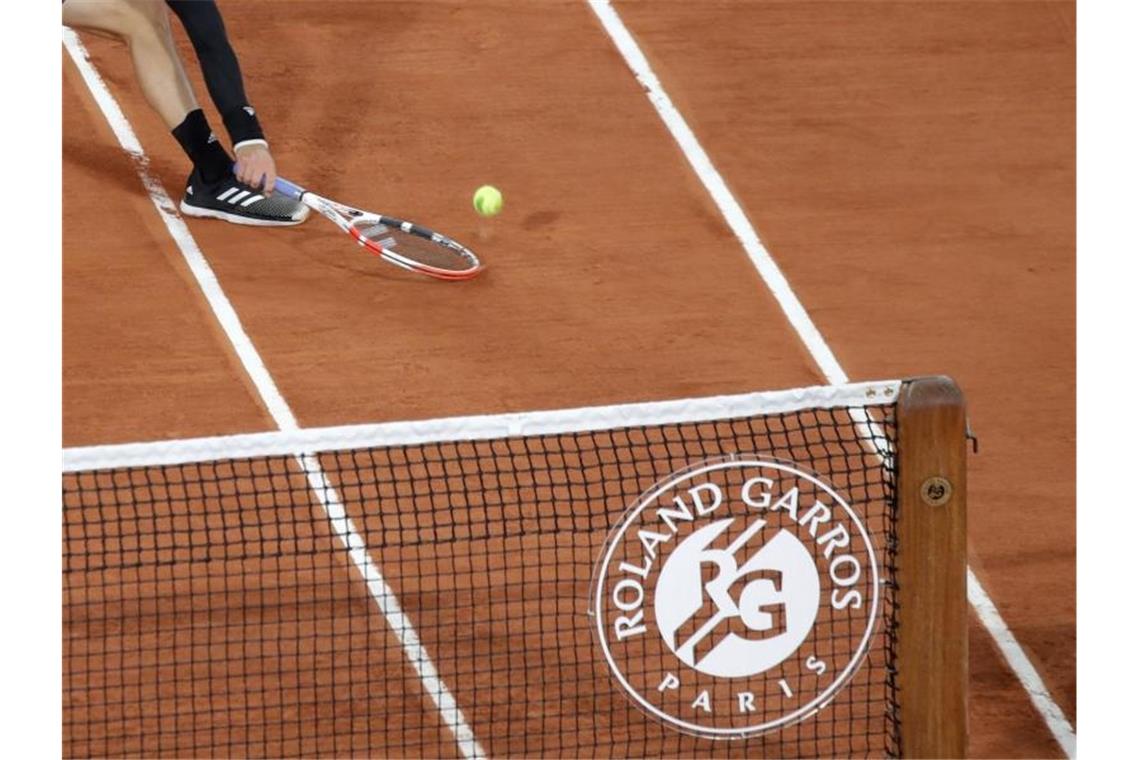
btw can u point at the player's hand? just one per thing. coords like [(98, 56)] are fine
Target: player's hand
[(256, 167)]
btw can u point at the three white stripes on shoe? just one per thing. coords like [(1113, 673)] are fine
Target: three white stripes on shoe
[(252, 198)]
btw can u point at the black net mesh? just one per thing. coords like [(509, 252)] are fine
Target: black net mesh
[(211, 608)]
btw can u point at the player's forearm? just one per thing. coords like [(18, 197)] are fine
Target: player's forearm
[(220, 68)]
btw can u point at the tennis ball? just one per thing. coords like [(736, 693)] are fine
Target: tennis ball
[(488, 201)]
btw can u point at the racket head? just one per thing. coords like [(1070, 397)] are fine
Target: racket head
[(413, 247)]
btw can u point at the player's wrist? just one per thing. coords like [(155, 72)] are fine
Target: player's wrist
[(256, 142), (243, 126)]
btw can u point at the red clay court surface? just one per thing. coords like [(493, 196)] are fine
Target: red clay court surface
[(911, 167)]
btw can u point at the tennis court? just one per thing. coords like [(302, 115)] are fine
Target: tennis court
[(909, 167)]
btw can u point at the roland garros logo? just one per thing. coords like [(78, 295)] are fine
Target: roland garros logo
[(736, 597)]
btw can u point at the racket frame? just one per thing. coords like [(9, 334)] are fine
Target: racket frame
[(346, 217)]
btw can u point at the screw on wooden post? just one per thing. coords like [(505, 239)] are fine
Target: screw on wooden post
[(936, 491)]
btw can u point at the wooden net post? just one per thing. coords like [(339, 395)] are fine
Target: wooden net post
[(933, 672)]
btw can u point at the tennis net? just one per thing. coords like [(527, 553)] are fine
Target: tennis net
[(711, 576)]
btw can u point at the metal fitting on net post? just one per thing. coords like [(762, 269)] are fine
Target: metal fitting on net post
[(936, 491)]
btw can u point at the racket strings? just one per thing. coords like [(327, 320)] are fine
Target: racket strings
[(441, 254)]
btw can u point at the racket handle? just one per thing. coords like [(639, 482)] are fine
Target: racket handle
[(287, 188)]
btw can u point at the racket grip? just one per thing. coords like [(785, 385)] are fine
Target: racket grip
[(285, 187)]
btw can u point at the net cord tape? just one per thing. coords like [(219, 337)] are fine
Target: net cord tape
[(479, 427)]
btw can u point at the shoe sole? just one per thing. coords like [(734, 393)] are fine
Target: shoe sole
[(209, 213)]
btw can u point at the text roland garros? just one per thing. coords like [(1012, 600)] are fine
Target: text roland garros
[(736, 596)]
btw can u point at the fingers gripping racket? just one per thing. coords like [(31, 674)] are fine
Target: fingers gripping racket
[(397, 241)]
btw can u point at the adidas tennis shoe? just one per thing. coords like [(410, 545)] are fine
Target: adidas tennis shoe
[(239, 203)]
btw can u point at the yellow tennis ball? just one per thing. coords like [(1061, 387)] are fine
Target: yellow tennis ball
[(488, 201)]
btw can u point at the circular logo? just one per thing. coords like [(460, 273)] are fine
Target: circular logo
[(736, 597), (936, 491)]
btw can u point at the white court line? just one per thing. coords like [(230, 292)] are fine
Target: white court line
[(1019, 661), (738, 222), (282, 415)]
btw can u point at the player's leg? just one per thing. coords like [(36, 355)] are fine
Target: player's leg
[(145, 26)]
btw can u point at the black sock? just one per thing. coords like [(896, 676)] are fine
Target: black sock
[(203, 148)]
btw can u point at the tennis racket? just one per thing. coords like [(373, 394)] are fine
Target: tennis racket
[(397, 241)]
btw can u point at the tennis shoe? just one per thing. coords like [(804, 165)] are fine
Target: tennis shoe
[(237, 202)]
